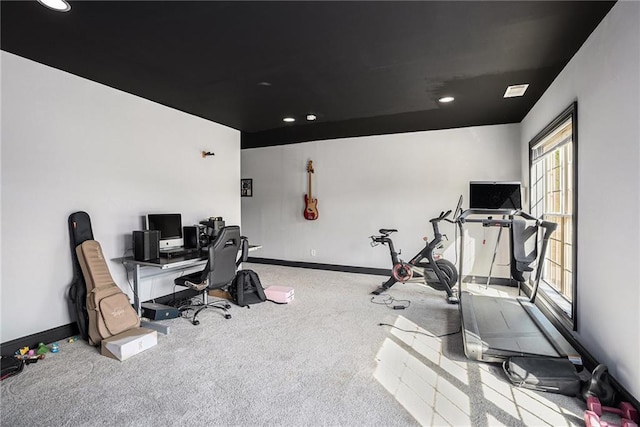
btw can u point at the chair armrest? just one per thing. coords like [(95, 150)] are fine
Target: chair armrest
[(244, 249)]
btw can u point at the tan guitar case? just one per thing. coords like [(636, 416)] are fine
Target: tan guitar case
[(109, 309)]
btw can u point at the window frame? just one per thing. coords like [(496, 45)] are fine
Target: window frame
[(571, 112)]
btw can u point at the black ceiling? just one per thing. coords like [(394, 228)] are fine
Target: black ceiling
[(362, 67)]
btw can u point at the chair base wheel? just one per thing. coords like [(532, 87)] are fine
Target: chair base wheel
[(227, 316)]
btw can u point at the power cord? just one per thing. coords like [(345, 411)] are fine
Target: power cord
[(391, 302), (422, 333), (177, 303)]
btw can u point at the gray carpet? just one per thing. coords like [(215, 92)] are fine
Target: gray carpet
[(321, 360)]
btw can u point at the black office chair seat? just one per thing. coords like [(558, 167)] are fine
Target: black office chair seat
[(217, 273), (193, 281)]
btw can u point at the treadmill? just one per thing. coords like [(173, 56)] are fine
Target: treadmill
[(495, 329)]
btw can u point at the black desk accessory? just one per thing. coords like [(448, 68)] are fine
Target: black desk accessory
[(146, 245), (153, 311)]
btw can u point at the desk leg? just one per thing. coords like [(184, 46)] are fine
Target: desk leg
[(136, 304), (136, 282)]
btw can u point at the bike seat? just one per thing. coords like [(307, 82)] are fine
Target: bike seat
[(387, 230)]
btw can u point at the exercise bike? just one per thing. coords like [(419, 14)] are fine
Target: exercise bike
[(440, 274)]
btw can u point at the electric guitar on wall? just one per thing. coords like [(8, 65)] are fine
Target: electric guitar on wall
[(310, 204)]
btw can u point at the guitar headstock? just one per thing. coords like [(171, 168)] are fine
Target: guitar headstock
[(310, 166)]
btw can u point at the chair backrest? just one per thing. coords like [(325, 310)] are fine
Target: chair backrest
[(223, 252)]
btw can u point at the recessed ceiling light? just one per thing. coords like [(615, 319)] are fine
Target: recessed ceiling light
[(446, 99), (311, 117), (289, 120), (59, 5), (515, 90)]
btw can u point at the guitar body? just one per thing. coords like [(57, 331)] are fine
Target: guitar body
[(310, 208), (310, 204)]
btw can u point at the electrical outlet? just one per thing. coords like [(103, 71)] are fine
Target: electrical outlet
[(313, 252)]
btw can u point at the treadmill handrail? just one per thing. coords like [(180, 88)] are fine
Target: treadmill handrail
[(549, 228), (465, 216)]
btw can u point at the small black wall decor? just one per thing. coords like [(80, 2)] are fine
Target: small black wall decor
[(246, 187)]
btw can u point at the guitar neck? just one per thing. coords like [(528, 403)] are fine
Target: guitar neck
[(309, 185)]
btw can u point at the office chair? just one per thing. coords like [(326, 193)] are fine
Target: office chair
[(218, 272)]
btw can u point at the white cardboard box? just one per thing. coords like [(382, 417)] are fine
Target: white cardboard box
[(280, 294), (129, 343)]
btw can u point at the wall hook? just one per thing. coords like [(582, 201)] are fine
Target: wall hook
[(207, 153)]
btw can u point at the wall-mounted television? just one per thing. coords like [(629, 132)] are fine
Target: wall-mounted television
[(495, 195), (170, 228)]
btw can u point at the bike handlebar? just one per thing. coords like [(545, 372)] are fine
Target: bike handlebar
[(443, 215)]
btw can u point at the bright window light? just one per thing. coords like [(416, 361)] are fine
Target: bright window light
[(59, 5), (446, 99), (288, 120)]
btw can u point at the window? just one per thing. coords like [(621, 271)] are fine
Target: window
[(553, 171)]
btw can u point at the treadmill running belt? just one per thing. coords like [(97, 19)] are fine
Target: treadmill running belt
[(498, 328)]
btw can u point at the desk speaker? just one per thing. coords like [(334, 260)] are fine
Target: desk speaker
[(191, 236), (146, 245)]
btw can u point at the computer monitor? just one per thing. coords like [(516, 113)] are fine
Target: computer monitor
[(170, 228), (494, 195)]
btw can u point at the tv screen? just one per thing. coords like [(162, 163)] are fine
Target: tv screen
[(494, 195)]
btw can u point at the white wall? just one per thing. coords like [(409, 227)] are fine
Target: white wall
[(70, 144), (604, 78), (367, 183)]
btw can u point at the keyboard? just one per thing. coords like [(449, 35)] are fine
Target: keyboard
[(176, 252)]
